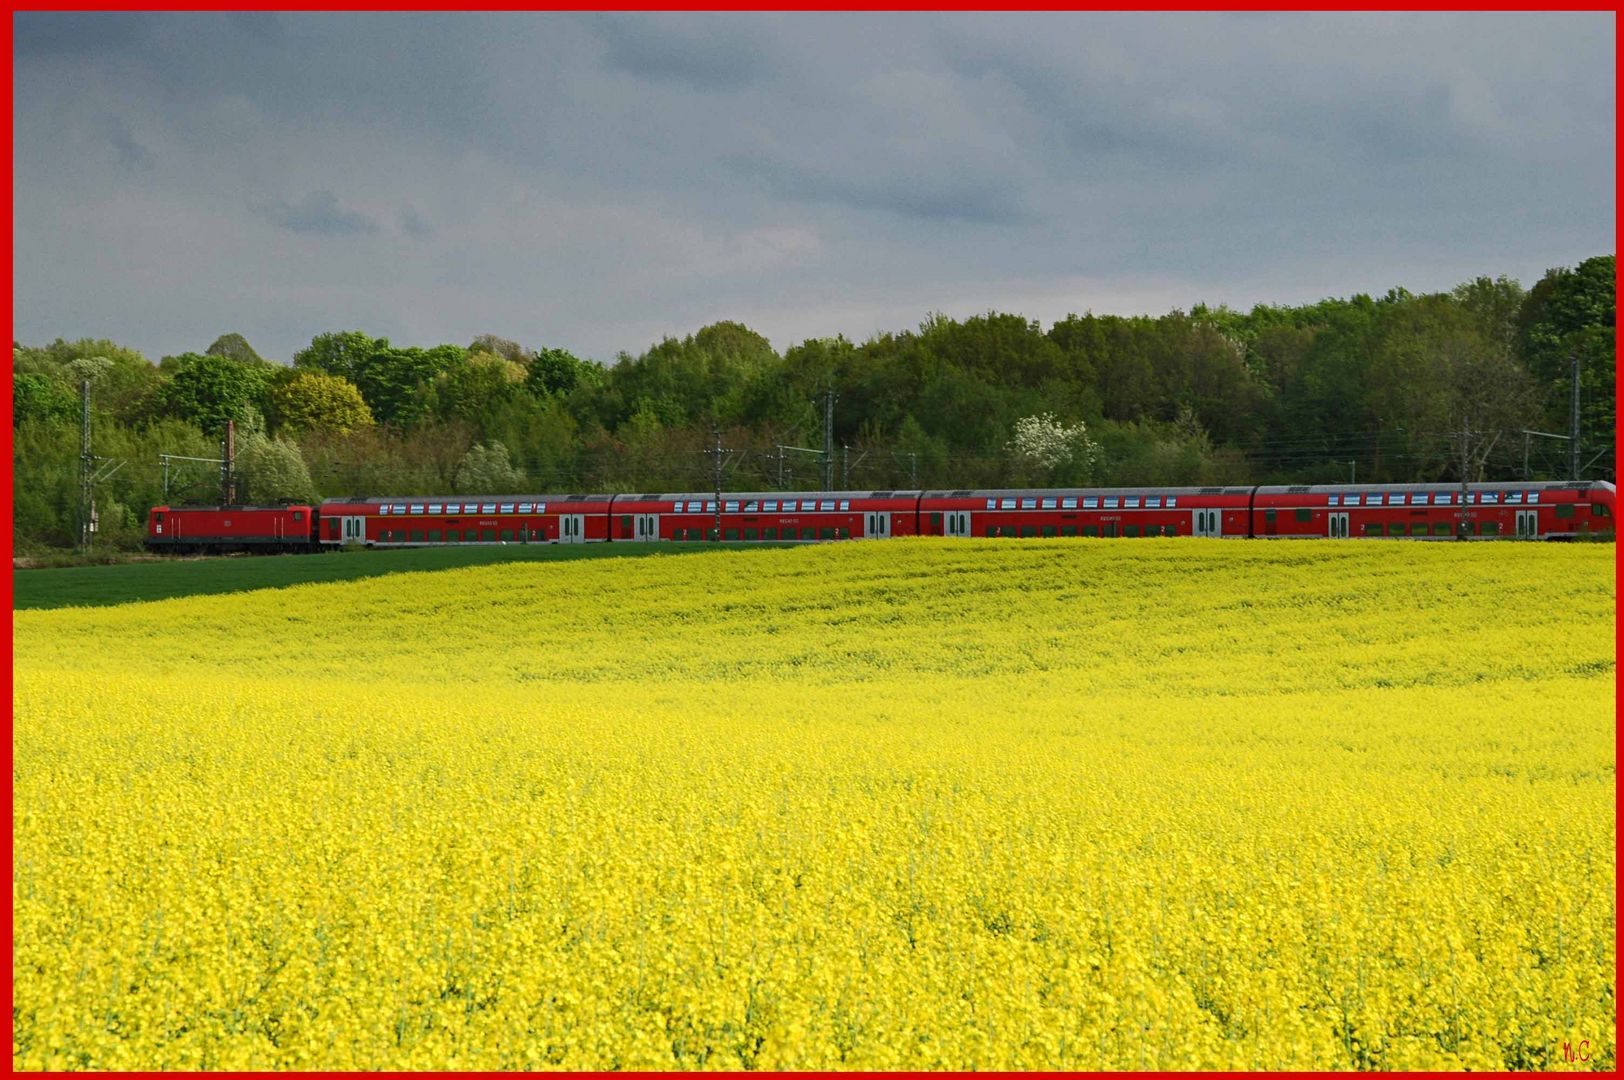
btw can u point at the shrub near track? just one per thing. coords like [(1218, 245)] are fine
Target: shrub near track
[(922, 804)]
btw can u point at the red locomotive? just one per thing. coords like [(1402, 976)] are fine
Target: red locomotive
[(1542, 510), (191, 529)]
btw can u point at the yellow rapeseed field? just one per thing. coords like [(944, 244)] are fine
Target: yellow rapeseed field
[(920, 804)]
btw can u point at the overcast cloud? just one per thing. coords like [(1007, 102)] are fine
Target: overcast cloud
[(599, 181)]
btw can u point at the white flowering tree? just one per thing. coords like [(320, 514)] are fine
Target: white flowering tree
[(1046, 449)]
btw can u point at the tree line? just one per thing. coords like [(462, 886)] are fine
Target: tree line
[(1403, 387)]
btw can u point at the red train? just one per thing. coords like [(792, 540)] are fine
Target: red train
[(1533, 511)]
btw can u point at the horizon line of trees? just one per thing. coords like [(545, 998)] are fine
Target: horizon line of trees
[(1363, 388)]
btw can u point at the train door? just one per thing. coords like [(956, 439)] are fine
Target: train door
[(1209, 523), (877, 526), (1527, 524), (571, 528), (957, 523), (647, 527), (1337, 526), (354, 529)]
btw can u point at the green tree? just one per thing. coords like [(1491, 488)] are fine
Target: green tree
[(340, 352), (41, 399), (486, 470), (1572, 312), (500, 346), (206, 391), (557, 371), (271, 471), (472, 389), (234, 347), (314, 399), (126, 385)]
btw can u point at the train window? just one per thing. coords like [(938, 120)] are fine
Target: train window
[(770, 507), (1373, 528), (1564, 510), (541, 508), (1006, 504), (1091, 502), (1131, 502), (936, 521), (298, 515), (1350, 500), (625, 524), (992, 530), (750, 534), (731, 507), (487, 535), (1029, 504), (710, 506), (1440, 528), (731, 534), (1491, 496), (1443, 498), (1597, 509), (1533, 496), (1513, 496), (752, 507), (1130, 530), (826, 504), (1029, 530), (1048, 531), (1335, 500), (828, 534), (1268, 516), (1068, 530), (992, 504), (1172, 501), (809, 534), (845, 504), (1153, 502), (507, 535), (434, 536), (1305, 515), (399, 508), (453, 536), (769, 534), (383, 509), (1069, 504), (1091, 530), (488, 508), (1488, 528), (1050, 504), (1111, 502)]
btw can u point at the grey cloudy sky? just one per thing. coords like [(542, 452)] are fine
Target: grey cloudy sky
[(599, 181)]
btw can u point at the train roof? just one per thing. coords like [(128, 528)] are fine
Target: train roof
[(1010, 493), (235, 506), (370, 500), (1492, 485), (731, 496)]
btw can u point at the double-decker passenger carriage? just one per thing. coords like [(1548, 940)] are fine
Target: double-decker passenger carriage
[(1526, 511), (465, 519), (1103, 512), (767, 516), (188, 529)]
